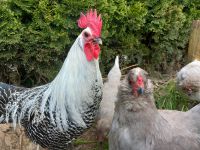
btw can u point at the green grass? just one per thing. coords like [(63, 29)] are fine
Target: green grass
[(81, 141), (169, 97)]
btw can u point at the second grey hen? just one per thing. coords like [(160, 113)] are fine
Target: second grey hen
[(107, 105), (188, 80)]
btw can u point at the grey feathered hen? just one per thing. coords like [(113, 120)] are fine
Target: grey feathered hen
[(107, 104), (188, 80), (138, 125)]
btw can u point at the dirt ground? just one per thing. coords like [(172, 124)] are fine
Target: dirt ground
[(11, 139)]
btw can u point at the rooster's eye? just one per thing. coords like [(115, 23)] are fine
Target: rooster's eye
[(86, 34)]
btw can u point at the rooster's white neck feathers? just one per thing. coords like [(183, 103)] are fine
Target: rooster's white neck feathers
[(68, 95)]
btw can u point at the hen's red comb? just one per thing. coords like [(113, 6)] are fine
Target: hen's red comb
[(92, 21)]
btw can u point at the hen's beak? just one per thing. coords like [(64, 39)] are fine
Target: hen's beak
[(98, 40), (189, 92), (140, 90)]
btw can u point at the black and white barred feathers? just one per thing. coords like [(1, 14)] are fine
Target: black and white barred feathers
[(44, 133)]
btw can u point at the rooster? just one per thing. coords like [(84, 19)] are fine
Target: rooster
[(56, 113), (107, 104), (138, 125), (188, 80)]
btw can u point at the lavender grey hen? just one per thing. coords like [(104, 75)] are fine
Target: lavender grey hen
[(138, 125), (56, 113)]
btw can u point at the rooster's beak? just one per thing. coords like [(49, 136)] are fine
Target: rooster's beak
[(98, 40)]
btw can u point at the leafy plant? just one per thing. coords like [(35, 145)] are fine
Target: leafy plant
[(35, 36), (169, 97)]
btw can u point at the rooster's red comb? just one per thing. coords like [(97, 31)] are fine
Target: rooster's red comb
[(92, 21)]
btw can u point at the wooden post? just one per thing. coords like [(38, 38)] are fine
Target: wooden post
[(194, 42)]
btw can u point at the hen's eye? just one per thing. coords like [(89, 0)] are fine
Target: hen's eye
[(86, 34)]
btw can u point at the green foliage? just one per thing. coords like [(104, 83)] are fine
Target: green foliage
[(35, 35), (169, 97), (168, 26), (95, 144)]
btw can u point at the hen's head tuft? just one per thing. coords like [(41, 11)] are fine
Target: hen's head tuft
[(137, 80)]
